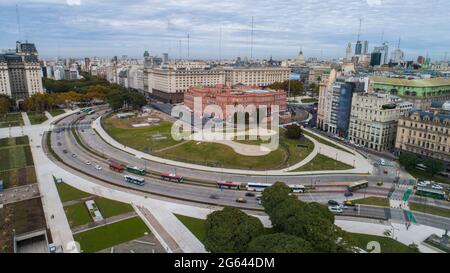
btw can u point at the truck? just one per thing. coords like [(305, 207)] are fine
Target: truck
[(115, 166)]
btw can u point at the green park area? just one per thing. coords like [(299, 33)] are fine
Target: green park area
[(110, 235), (321, 162), (56, 112), (195, 225), (388, 245), (12, 119), (76, 211), (36, 118), (16, 162), (420, 207), (373, 201), (157, 140)]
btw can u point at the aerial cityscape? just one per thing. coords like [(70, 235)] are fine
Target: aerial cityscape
[(227, 127)]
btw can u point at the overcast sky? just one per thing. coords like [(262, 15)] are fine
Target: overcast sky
[(322, 28)]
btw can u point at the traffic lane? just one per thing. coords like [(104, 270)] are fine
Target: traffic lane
[(117, 154), (191, 192), (431, 220)]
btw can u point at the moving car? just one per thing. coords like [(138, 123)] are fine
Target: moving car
[(333, 203), (349, 203), (380, 183), (335, 209), (214, 196), (241, 200), (87, 162), (348, 194), (249, 194), (74, 155), (98, 167)]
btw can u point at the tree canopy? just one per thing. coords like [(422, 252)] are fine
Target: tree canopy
[(279, 243), (230, 231), (293, 131)]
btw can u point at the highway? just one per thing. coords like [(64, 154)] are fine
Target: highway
[(65, 145)]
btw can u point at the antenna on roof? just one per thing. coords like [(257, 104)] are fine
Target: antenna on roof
[(359, 30), (399, 39), (18, 21), (188, 46), (220, 44), (251, 42)]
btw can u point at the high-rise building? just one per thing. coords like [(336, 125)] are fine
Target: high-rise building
[(358, 48), (348, 53), (365, 47), (384, 50), (20, 72), (375, 58)]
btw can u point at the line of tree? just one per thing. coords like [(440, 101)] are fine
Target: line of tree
[(296, 87), (6, 104), (410, 160), (298, 227)]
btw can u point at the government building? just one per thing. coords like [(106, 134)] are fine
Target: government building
[(20, 72), (227, 95), (421, 92), (425, 133)]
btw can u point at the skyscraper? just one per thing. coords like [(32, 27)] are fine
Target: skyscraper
[(348, 53), (384, 50), (358, 48)]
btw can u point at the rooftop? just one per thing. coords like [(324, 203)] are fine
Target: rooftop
[(413, 83)]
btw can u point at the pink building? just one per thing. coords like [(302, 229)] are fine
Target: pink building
[(223, 95)]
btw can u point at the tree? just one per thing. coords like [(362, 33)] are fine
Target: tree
[(230, 231), (434, 166), (5, 104), (408, 160), (293, 131), (279, 243), (414, 247), (274, 195)]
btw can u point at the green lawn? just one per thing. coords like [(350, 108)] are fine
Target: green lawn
[(36, 118), (14, 119), (429, 209), (18, 177), (326, 142), (77, 214), (69, 193), (110, 235), (196, 226), (204, 153), (110, 208), (373, 201), (310, 100), (56, 112), (14, 157), (321, 163), (388, 245), (13, 141), (418, 174)]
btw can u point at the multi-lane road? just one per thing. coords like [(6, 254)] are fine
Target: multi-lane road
[(75, 156)]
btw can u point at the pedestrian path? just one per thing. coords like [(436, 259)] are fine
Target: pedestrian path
[(48, 115), (26, 120)]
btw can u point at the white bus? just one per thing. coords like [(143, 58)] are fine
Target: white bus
[(134, 180), (263, 186)]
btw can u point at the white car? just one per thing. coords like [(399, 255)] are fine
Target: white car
[(437, 187), (98, 167), (336, 209), (87, 162)]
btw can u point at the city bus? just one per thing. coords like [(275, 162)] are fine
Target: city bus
[(421, 167), (117, 167), (433, 193), (135, 170), (354, 186), (228, 185), (134, 180), (171, 177), (263, 186)]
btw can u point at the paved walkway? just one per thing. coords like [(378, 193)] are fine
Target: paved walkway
[(26, 120), (104, 222), (48, 115), (414, 234), (362, 165)]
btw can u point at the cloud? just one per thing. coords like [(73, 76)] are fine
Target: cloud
[(281, 28)]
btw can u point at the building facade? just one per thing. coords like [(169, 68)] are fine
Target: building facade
[(20, 72), (425, 133), (256, 76), (421, 92), (223, 96), (374, 118)]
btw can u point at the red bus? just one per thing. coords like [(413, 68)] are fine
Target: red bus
[(117, 167), (171, 177), (228, 185)]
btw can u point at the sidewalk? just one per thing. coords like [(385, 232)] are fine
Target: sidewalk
[(26, 120), (415, 234), (361, 164)]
